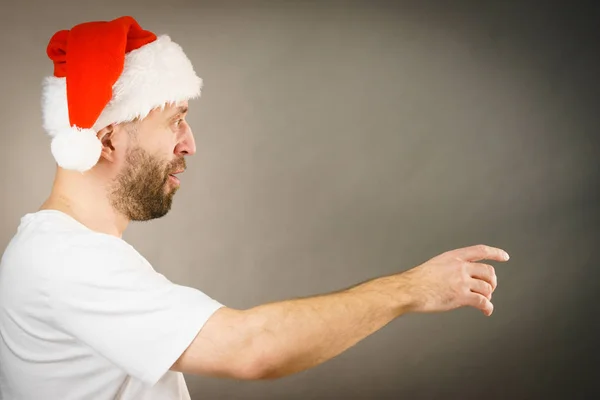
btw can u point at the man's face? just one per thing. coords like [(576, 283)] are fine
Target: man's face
[(145, 185)]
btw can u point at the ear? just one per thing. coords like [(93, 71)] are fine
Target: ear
[(106, 136)]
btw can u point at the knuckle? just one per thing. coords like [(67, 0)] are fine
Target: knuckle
[(447, 253), (463, 267), (479, 301), (488, 288), (464, 278), (465, 299), (484, 303), (465, 291), (481, 248)]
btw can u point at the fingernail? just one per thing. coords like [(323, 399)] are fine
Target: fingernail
[(506, 256)]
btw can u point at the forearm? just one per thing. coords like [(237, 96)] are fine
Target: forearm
[(278, 339), (294, 335)]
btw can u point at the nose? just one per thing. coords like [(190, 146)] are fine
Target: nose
[(186, 144)]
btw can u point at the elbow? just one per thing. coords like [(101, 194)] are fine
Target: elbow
[(257, 368), (251, 374), (232, 344), (248, 371), (260, 361), (259, 358)]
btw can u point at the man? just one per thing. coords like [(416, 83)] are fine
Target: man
[(84, 316)]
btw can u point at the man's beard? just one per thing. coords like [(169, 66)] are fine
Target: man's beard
[(140, 191)]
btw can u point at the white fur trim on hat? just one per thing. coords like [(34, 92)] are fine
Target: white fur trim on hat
[(153, 75)]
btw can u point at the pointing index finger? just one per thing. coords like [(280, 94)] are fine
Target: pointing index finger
[(482, 252)]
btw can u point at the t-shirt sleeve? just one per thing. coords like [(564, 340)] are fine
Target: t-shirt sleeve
[(109, 298)]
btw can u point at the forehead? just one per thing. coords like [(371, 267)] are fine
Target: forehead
[(161, 116), (169, 109), (172, 108)]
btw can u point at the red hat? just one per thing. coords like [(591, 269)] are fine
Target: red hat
[(108, 72)]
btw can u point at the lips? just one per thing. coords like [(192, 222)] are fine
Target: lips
[(174, 178), (176, 172)]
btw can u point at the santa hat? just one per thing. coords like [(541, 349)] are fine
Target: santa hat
[(108, 72)]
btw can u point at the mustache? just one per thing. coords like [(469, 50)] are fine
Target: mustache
[(178, 164)]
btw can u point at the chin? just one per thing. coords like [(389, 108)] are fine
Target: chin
[(152, 210)]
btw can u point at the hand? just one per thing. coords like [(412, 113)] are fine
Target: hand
[(455, 279)]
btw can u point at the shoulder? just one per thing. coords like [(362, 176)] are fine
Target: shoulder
[(52, 246)]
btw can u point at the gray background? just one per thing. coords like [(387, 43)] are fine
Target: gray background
[(339, 141)]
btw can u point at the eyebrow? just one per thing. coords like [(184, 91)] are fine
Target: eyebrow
[(181, 110)]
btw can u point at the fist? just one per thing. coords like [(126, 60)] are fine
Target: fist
[(454, 279)]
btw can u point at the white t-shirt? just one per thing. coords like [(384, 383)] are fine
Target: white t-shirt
[(84, 316)]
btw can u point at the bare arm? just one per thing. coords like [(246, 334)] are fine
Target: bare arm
[(277, 339)]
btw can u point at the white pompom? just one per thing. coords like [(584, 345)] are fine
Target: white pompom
[(76, 149)]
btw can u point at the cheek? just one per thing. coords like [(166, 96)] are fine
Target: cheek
[(162, 147), (122, 158), (167, 143)]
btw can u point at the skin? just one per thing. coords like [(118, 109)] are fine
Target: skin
[(131, 180), (131, 183)]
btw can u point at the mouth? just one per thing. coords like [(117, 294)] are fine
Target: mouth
[(174, 178)]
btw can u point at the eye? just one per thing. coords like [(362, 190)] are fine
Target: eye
[(178, 122)]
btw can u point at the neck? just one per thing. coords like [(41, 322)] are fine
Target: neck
[(84, 197)]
